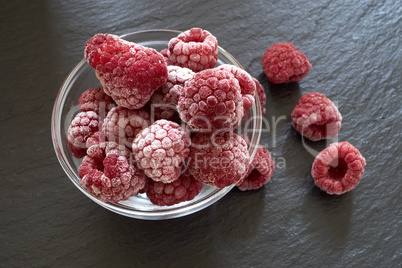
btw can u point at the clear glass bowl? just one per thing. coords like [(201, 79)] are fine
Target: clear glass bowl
[(66, 107)]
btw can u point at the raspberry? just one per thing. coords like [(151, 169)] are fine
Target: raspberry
[(164, 53), (261, 95), (129, 72), (284, 63), (95, 99), (112, 177), (92, 45), (164, 100), (218, 160), (121, 125), (338, 168), (316, 117), (161, 149), (195, 49), (83, 126), (211, 100), (259, 172), (185, 188), (247, 85)]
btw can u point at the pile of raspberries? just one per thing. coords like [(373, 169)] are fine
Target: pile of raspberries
[(163, 123)]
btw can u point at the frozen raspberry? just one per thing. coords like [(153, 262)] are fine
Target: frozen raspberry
[(161, 149), (164, 53), (261, 95), (284, 63), (96, 138), (316, 117), (259, 172), (109, 173), (121, 125), (195, 49), (218, 160), (164, 100), (129, 72), (185, 188), (247, 85), (338, 168), (83, 126), (95, 99), (210, 101), (92, 45)]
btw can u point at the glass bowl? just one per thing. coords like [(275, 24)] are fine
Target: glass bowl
[(66, 107)]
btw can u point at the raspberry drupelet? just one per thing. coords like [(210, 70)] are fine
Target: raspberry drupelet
[(284, 63), (338, 168), (218, 160), (95, 99), (260, 170), (195, 49), (185, 188), (109, 173), (93, 44), (161, 150), (316, 117), (121, 125), (128, 72), (247, 85), (164, 100), (82, 127), (211, 100)]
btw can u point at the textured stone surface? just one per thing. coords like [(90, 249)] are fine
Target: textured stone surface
[(354, 47)]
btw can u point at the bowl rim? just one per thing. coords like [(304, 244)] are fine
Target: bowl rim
[(168, 212)]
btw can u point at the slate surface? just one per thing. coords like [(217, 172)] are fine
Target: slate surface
[(355, 50)]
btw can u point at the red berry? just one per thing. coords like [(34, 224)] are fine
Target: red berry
[(164, 53), (261, 95), (195, 49), (164, 100), (129, 72), (218, 160), (338, 168), (211, 100), (83, 126), (284, 63), (259, 172), (316, 117), (247, 85), (185, 188), (109, 173), (92, 45), (161, 149), (121, 125), (95, 99)]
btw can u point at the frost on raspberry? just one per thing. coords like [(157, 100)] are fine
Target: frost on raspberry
[(95, 99), (164, 100), (129, 72), (316, 117), (195, 49), (338, 168), (185, 188), (218, 160), (121, 125), (161, 150), (284, 63), (259, 172), (164, 53), (261, 95), (211, 100), (83, 126), (247, 85), (109, 173)]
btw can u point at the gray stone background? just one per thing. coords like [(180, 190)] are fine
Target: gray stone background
[(355, 50)]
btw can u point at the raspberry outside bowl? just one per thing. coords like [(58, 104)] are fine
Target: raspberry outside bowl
[(83, 77)]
